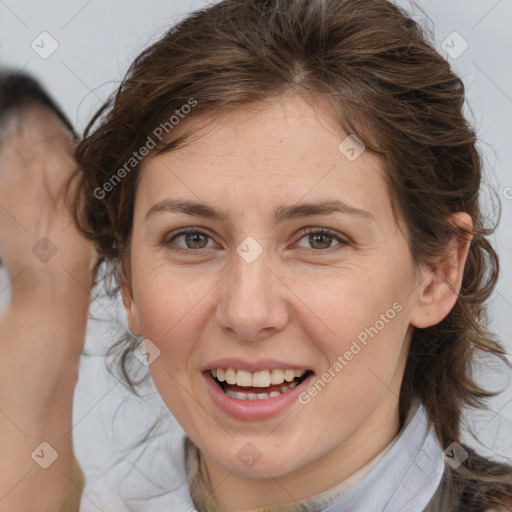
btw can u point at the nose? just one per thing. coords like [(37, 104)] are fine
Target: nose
[(253, 304)]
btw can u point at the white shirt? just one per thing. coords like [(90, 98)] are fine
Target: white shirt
[(402, 477)]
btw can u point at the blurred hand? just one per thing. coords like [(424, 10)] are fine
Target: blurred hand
[(48, 261), (42, 331), (38, 239)]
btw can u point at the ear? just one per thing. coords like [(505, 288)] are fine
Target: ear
[(132, 313), (440, 286)]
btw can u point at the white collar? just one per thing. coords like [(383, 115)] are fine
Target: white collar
[(404, 479)]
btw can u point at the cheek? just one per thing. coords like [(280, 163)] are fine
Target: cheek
[(363, 354), (360, 325), (352, 307), (172, 318), (171, 313)]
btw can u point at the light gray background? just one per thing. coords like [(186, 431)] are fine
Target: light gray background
[(96, 42)]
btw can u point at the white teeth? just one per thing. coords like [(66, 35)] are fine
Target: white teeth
[(240, 396), (261, 379), (258, 396), (251, 396), (231, 376), (277, 376), (291, 386), (289, 375), (243, 378)]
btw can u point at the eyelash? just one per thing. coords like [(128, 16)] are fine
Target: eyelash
[(307, 231)]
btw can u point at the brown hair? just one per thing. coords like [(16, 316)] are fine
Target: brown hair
[(386, 84)]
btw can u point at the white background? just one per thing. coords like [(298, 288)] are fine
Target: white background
[(97, 40)]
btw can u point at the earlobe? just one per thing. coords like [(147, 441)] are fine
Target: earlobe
[(439, 288)]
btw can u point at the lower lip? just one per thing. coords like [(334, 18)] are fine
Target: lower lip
[(253, 409)]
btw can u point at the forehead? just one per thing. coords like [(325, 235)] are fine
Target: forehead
[(284, 150)]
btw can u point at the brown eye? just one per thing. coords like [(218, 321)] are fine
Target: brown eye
[(196, 240), (321, 239), (188, 240)]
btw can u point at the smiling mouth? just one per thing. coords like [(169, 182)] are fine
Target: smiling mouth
[(249, 386)]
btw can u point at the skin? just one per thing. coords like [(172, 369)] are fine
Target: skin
[(43, 325), (297, 302)]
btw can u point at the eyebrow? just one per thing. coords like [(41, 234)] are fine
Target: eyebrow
[(281, 214)]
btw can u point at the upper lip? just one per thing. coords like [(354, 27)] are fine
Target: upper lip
[(253, 366)]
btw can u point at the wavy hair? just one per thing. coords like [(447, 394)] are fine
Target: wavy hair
[(386, 84)]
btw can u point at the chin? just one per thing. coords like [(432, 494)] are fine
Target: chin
[(251, 462)]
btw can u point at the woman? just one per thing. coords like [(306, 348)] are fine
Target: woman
[(287, 192)]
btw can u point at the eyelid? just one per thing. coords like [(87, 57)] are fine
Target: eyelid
[(341, 239), (169, 237), (183, 231)]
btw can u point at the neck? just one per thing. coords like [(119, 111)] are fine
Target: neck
[(234, 492)]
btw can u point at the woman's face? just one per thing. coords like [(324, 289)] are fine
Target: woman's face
[(258, 293)]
